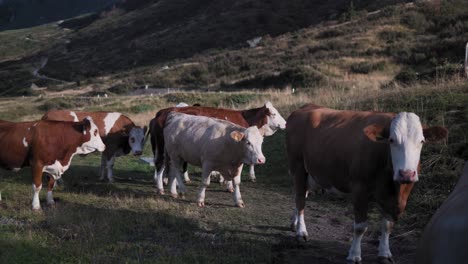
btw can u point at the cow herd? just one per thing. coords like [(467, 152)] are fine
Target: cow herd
[(372, 155)]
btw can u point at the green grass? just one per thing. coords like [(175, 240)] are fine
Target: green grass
[(127, 222)]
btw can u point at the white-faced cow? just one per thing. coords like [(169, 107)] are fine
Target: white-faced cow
[(367, 154), (446, 236), (46, 146), (214, 145), (266, 118), (120, 135)]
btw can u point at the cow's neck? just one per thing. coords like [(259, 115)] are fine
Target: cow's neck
[(257, 116)]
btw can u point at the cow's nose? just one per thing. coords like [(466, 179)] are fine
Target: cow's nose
[(407, 175), (261, 160), (137, 153)]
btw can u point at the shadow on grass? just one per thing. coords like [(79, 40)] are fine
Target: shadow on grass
[(92, 234)]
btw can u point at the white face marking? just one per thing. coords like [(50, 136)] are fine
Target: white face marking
[(95, 141), (136, 140), (253, 146), (182, 105), (25, 143), (275, 121), (406, 140), (109, 121), (75, 117)]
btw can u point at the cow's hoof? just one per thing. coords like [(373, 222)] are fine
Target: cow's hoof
[(111, 181), (240, 204), (253, 180), (188, 182), (161, 192), (37, 210), (385, 260), (201, 204), (231, 190), (174, 195), (182, 195), (51, 204), (302, 237), (353, 260)]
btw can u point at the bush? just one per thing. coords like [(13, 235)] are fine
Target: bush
[(391, 36), (367, 67), (329, 34), (56, 104), (407, 76), (415, 20)]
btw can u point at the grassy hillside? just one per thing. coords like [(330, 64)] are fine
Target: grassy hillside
[(127, 222)]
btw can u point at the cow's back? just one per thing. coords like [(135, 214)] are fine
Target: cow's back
[(196, 138), (107, 122), (445, 238), (332, 145), (219, 113)]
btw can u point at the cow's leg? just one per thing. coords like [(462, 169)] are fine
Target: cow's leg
[(299, 175), (103, 167), (160, 168), (36, 187), (50, 188), (384, 245), (175, 176), (237, 195), (229, 186), (186, 177), (110, 167), (205, 182), (360, 203), (252, 174)]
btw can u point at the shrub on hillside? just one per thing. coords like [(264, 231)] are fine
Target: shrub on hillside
[(367, 67), (416, 20), (407, 76)]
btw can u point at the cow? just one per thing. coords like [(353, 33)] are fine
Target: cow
[(213, 145), (367, 154), (46, 146), (120, 135), (445, 238), (266, 118)]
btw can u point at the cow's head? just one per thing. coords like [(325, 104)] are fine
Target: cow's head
[(406, 137), (251, 141), (136, 140), (92, 139), (275, 121)]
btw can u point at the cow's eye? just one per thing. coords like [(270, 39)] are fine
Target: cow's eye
[(95, 132), (390, 140), (132, 140), (248, 143)]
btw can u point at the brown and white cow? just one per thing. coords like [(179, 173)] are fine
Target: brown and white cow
[(46, 146), (367, 154), (266, 118), (445, 238), (214, 145), (120, 135)]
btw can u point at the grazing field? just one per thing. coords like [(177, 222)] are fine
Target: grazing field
[(127, 222)]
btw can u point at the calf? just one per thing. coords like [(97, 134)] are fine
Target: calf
[(266, 118), (214, 145), (446, 236), (46, 146), (367, 154), (120, 135)]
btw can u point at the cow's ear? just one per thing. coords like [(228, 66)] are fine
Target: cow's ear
[(87, 122), (237, 135), (376, 133), (434, 134), (268, 104)]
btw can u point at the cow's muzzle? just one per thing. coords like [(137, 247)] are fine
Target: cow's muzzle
[(137, 153), (406, 176)]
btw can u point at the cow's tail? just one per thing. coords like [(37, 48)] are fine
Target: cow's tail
[(148, 131)]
